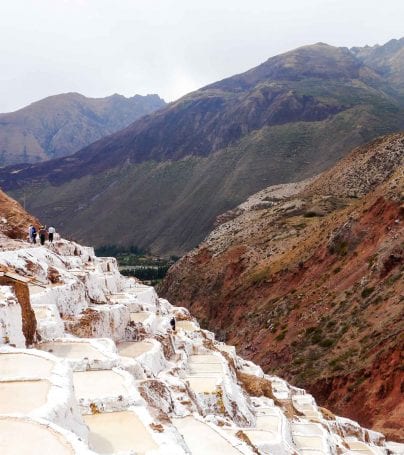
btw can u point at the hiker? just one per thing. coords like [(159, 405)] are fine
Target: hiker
[(51, 232), (31, 240), (33, 232), (172, 323), (42, 235)]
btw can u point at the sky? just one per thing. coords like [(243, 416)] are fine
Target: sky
[(169, 47)]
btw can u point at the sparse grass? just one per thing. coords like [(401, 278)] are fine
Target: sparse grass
[(282, 335), (393, 278), (259, 276)]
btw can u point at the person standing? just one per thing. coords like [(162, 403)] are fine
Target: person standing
[(31, 240), (33, 234), (51, 232), (42, 235), (172, 323)]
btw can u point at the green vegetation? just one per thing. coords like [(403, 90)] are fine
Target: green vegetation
[(163, 186), (327, 343), (134, 261), (150, 274), (119, 251), (366, 292), (282, 335), (393, 278)]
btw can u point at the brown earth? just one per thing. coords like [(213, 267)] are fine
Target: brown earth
[(309, 285), (14, 220)]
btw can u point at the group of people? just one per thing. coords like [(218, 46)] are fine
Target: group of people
[(43, 232)]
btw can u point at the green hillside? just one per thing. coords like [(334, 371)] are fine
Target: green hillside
[(160, 183)]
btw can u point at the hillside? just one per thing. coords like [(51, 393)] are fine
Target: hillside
[(307, 280), (387, 60), (63, 124), (14, 220), (288, 119), (90, 364)]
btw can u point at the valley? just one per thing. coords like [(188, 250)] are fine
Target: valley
[(288, 119), (89, 363)]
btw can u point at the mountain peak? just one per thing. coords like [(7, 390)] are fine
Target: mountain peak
[(62, 124)]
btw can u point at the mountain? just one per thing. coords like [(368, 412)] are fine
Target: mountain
[(387, 60), (306, 279), (166, 177), (63, 124)]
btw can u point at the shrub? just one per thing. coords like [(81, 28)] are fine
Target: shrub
[(317, 337), (281, 336), (328, 342), (366, 292)]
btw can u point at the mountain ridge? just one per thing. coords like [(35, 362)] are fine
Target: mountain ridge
[(62, 124), (222, 139)]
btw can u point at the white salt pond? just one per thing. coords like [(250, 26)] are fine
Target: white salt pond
[(268, 423), (41, 312), (358, 447), (22, 396), (98, 384), (35, 289), (205, 372), (187, 326), (19, 437), (72, 350), (134, 348), (200, 368), (204, 358), (117, 432), (308, 442), (25, 366), (140, 316), (260, 437), (203, 440), (202, 384)]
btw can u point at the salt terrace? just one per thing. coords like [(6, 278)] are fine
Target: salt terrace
[(105, 373)]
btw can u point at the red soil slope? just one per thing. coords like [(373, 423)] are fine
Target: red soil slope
[(310, 285), (14, 220)]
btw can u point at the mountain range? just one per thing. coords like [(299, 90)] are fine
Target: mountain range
[(63, 124), (166, 177), (307, 280)]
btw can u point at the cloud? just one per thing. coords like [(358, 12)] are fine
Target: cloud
[(170, 47)]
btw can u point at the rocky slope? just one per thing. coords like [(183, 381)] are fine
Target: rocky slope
[(107, 374), (387, 60), (14, 220), (63, 124), (287, 119), (306, 280)]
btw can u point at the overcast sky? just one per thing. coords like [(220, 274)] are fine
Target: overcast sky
[(169, 47)]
